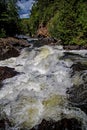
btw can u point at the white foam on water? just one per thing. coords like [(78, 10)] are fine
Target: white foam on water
[(39, 91)]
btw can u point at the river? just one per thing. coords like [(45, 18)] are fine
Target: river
[(52, 85)]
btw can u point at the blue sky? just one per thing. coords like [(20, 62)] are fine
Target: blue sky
[(25, 7)]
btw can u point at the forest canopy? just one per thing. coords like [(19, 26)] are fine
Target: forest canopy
[(9, 18), (65, 19)]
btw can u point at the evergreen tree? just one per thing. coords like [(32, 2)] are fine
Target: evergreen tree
[(66, 19), (9, 19)]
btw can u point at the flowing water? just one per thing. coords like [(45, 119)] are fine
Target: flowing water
[(39, 91)]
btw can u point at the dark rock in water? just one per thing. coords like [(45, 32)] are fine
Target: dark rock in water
[(72, 55), (7, 50), (74, 47), (78, 96), (6, 72), (18, 43), (1, 84), (77, 58), (64, 124), (9, 54), (45, 41), (79, 66), (78, 93), (11, 47), (4, 123), (71, 47)]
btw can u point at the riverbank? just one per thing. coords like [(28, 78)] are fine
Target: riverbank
[(11, 46)]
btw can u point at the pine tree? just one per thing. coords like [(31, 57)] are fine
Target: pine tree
[(9, 19)]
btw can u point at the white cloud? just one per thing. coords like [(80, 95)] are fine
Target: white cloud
[(25, 7), (20, 5), (24, 16)]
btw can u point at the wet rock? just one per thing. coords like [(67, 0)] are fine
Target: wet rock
[(79, 66), (78, 96), (74, 47), (73, 56), (16, 42), (71, 47), (11, 47), (6, 72), (64, 124), (19, 43), (4, 124), (78, 93), (7, 50), (45, 41)]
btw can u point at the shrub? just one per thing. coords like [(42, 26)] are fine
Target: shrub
[(2, 33)]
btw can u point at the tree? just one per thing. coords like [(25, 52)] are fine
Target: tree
[(9, 19), (70, 23)]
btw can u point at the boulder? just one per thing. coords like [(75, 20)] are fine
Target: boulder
[(7, 50), (6, 72)]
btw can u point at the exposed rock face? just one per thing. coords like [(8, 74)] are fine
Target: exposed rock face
[(42, 31)]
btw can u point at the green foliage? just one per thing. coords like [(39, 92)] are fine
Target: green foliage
[(66, 20), (9, 20), (70, 23), (2, 33), (25, 26), (41, 12)]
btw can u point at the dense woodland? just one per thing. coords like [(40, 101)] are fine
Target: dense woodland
[(65, 19), (9, 19)]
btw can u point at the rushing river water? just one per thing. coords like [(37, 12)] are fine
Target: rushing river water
[(39, 91)]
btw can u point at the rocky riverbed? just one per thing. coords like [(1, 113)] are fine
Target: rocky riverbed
[(11, 47), (49, 90)]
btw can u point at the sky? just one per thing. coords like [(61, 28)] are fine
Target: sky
[(25, 7)]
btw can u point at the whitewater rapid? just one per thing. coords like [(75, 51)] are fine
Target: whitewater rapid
[(39, 91)]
